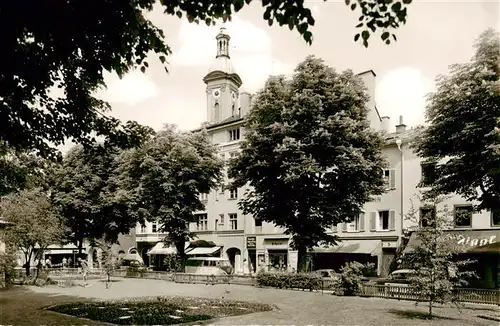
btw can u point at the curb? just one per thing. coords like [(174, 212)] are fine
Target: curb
[(489, 317)]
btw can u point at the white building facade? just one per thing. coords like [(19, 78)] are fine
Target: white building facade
[(374, 236), (250, 244)]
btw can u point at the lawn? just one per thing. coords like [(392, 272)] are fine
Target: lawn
[(159, 310), (27, 305)]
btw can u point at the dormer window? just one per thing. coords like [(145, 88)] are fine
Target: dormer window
[(234, 134)]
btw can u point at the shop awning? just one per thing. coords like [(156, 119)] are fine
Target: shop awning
[(371, 247), (135, 256), (66, 249), (202, 251), (162, 249), (472, 241)]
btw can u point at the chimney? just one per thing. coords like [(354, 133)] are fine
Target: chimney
[(385, 123), (245, 103), (401, 127)]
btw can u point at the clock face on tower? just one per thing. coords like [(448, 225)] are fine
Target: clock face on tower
[(233, 96), (216, 92)]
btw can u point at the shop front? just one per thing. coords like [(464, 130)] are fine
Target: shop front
[(270, 254), (348, 250), (481, 246)]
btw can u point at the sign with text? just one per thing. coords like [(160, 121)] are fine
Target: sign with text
[(468, 240), (482, 240), (251, 242), (276, 242)]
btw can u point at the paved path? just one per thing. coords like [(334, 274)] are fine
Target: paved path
[(294, 307)]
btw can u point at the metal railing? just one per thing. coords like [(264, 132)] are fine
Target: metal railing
[(464, 295)]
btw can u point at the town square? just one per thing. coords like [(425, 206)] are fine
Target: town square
[(243, 162)]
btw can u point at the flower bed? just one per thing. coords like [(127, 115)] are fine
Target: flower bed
[(158, 311)]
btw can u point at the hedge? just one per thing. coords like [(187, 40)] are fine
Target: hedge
[(283, 280), (135, 271)]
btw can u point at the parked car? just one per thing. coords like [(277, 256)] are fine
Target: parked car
[(208, 266), (397, 282), (399, 277)]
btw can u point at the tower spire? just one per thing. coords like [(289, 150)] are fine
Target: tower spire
[(222, 43)]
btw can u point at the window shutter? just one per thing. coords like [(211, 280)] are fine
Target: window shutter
[(392, 220), (373, 221), (362, 222), (392, 178), (344, 227)]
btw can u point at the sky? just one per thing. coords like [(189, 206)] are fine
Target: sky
[(437, 34)]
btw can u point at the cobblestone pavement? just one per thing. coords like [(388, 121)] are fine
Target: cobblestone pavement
[(294, 307)]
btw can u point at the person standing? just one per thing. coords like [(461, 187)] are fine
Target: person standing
[(85, 270), (64, 262)]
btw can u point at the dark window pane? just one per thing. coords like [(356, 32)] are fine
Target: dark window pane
[(463, 216)]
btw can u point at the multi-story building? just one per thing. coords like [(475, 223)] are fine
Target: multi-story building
[(252, 244), (478, 232)]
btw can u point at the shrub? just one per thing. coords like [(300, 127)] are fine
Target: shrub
[(7, 269), (172, 263), (352, 275), (134, 271), (290, 280)]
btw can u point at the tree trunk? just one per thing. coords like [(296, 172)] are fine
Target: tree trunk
[(430, 308), (28, 258), (302, 258), (80, 246), (180, 245)]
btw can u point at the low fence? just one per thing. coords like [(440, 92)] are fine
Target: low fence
[(482, 296), (465, 295)]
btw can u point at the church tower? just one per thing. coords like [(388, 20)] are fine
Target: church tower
[(223, 83)]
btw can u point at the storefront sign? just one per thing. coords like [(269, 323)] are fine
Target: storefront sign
[(251, 242), (474, 242), (389, 244), (276, 242), (470, 240)]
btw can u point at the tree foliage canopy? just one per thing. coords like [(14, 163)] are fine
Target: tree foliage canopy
[(54, 55), (309, 154), (20, 170), (165, 177), (463, 135), (87, 197), (35, 223)]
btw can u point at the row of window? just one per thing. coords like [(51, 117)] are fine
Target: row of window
[(383, 220), (462, 216), (202, 222), (428, 177), (233, 194)]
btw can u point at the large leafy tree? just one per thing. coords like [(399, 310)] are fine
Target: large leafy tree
[(22, 170), (309, 155), (35, 223), (86, 194), (463, 136), (165, 177), (67, 45)]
